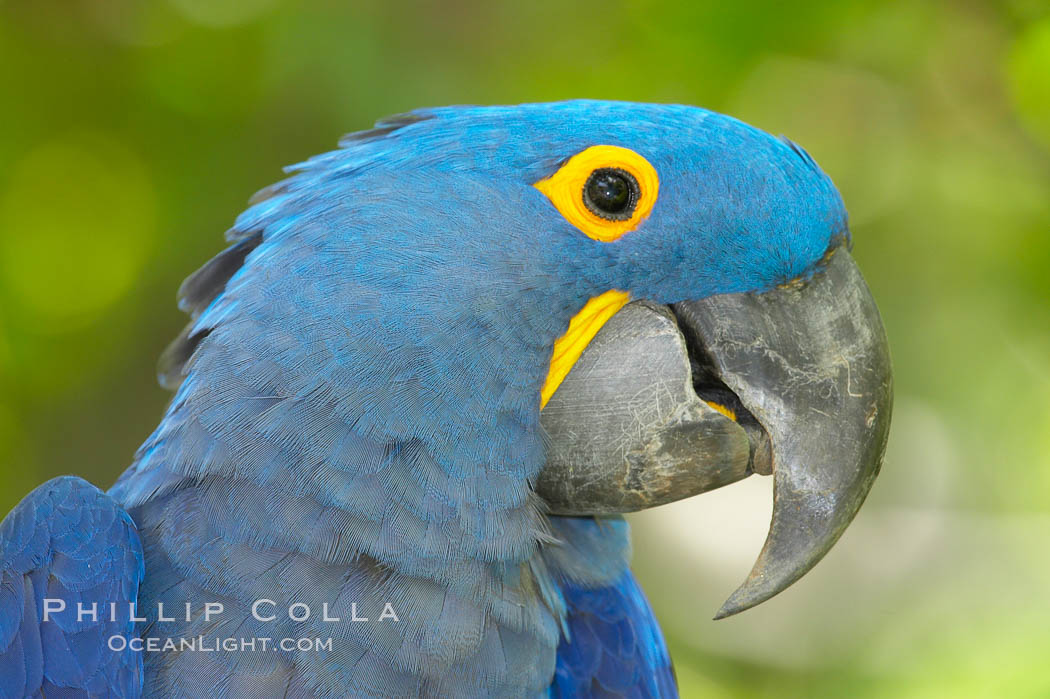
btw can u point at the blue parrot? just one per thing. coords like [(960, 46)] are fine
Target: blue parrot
[(372, 479)]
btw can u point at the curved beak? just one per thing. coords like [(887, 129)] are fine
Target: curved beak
[(803, 371), (811, 364)]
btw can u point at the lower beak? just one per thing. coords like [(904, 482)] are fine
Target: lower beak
[(795, 380)]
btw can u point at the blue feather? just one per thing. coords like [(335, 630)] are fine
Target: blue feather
[(614, 647), (68, 541)]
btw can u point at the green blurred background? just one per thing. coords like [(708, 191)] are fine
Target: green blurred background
[(133, 132)]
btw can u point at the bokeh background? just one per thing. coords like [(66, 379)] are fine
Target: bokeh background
[(133, 131)]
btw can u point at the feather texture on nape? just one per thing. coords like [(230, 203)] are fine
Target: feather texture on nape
[(195, 294), (383, 127), (205, 285)]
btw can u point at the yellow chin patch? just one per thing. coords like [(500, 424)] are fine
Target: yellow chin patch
[(582, 329)]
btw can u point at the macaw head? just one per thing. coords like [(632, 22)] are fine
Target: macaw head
[(671, 287)]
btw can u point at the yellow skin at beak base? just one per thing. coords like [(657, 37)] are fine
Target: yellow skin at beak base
[(582, 329), (728, 412)]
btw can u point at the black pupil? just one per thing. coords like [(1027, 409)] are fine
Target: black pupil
[(609, 192)]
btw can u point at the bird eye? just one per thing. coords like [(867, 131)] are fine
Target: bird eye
[(611, 193), (605, 191)]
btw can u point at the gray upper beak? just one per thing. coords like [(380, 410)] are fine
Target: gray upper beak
[(806, 370)]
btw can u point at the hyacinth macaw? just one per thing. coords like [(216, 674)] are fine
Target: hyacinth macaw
[(421, 387)]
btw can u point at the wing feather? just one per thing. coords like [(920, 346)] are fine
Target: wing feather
[(614, 647), (68, 541)]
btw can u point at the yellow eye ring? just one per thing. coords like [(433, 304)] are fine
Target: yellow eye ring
[(618, 178)]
